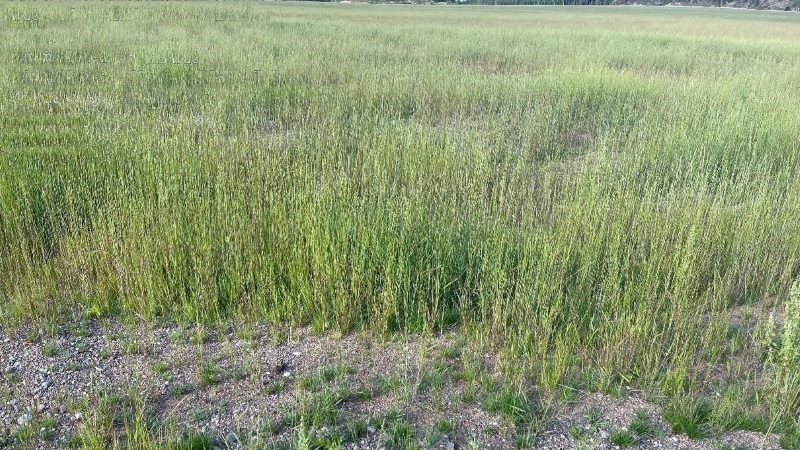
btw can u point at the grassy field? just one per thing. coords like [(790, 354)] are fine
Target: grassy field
[(605, 196)]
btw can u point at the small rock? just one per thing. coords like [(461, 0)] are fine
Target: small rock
[(231, 439), (24, 420), (371, 429), (287, 374), (451, 446), (78, 415)]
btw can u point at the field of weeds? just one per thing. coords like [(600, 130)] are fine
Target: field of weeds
[(602, 199)]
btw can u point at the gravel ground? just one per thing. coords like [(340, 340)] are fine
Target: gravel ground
[(234, 385)]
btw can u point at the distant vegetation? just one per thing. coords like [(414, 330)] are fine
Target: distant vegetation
[(607, 196), (782, 5)]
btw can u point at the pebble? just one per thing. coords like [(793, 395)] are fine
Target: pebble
[(451, 446), (24, 420), (231, 439)]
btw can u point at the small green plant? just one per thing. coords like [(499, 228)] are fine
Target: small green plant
[(51, 350), (522, 439), (622, 438), (438, 431), (643, 426), (383, 384), (209, 374), (444, 426), (132, 347), (239, 372), (432, 380), (176, 337), (355, 430), (310, 383), (398, 435), (790, 439), (178, 389), (161, 369), (511, 403), (275, 388), (691, 417), (594, 417), (199, 336), (192, 442), (451, 352), (788, 353), (200, 414)]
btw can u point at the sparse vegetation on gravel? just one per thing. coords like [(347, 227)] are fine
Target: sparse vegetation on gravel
[(603, 200)]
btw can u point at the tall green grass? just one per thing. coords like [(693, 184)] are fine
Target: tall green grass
[(591, 190)]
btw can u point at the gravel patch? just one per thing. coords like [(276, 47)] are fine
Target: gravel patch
[(239, 387)]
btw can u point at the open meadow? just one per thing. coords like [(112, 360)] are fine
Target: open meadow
[(524, 208)]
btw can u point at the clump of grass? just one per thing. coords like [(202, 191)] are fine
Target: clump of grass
[(397, 433), (209, 374), (382, 384), (790, 439), (51, 350), (355, 430), (691, 417), (622, 438), (161, 369), (38, 428), (512, 403), (178, 389), (275, 388), (642, 426)]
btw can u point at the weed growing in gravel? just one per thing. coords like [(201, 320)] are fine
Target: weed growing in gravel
[(240, 372), (355, 430), (433, 378), (690, 416), (438, 432), (396, 433), (791, 439), (178, 389), (643, 426), (161, 369), (315, 410), (594, 417), (382, 384), (622, 438), (39, 427), (523, 439), (275, 387), (511, 403), (208, 373), (51, 350)]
